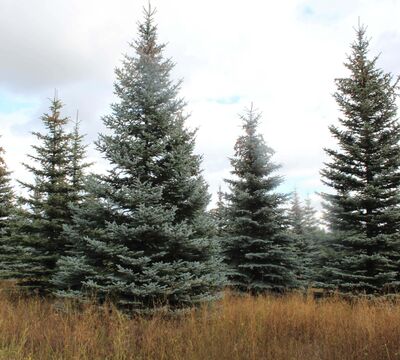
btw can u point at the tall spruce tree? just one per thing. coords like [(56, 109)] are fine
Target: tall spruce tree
[(364, 174), (40, 223), (256, 247), (142, 237)]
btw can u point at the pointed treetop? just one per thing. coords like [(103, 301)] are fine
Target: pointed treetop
[(250, 120), (358, 59), (77, 124), (361, 43), (55, 98), (146, 44)]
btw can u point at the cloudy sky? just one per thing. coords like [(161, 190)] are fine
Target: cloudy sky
[(281, 55)]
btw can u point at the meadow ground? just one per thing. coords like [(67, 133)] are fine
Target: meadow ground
[(267, 327)]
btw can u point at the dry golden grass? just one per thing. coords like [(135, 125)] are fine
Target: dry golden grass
[(290, 327)]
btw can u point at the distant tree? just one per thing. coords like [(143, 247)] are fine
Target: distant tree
[(310, 221), (77, 164), (364, 175), (307, 239), (6, 194), (296, 215), (143, 237), (7, 210), (218, 213), (256, 247)]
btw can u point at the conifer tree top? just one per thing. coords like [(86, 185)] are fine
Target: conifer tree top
[(252, 155)]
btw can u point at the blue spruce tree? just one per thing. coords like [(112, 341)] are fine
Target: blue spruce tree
[(364, 173), (257, 250), (39, 223), (143, 237), (36, 238)]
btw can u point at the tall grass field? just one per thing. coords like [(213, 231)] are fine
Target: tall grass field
[(237, 327)]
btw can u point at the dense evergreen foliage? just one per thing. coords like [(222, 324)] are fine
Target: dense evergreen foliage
[(7, 212), (6, 195), (143, 236), (37, 227), (257, 249), (364, 174), (45, 208)]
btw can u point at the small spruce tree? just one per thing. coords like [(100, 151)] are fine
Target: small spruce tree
[(6, 195), (39, 225), (306, 237), (7, 210), (311, 223), (257, 250), (296, 215)]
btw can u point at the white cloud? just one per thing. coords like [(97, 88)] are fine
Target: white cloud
[(282, 55)]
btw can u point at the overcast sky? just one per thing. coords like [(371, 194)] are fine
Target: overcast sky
[(281, 55)]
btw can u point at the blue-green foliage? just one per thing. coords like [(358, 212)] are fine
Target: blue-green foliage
[(257, 250), (8, 249), (307, 238), (38, 227), (143, 237), (363, 208)]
